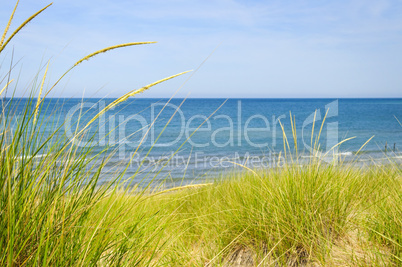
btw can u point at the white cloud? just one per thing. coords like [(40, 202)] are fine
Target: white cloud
[(272, 48)]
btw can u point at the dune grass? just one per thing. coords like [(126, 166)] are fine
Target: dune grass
[(49, 186), (53, 213), (293, 216)]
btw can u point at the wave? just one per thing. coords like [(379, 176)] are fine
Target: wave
[(346, 153), (349, 153), (29, 157)]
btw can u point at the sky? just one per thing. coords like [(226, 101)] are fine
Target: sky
[(269, 49)]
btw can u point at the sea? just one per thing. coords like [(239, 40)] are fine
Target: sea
[(185, 141)]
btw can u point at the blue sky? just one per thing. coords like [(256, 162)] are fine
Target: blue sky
[(263, 48)]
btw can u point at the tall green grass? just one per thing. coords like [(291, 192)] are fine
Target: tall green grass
[(49, 186), (293, 216)]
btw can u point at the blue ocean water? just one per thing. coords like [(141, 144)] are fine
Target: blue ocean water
[(187, 141)]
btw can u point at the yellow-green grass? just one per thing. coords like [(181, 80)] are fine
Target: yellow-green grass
[(319, 216), (49, 186)]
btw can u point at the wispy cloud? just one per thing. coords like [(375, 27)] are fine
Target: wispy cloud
[(276, 48)]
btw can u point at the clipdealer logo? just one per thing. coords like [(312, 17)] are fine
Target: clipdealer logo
[(237, 129)]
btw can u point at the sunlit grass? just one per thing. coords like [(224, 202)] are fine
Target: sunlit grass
[(49, 186), (295, 215)]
